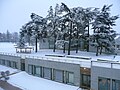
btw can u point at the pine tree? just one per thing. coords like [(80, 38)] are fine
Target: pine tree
[(88, 16), (38, 27), (53, 24), (104, 35), (21, 43), (29, 31)]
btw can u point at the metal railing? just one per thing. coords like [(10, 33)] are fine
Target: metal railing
[(82, 62), (114, 65)]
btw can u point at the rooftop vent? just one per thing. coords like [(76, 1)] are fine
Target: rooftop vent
[(56, 55), (105, 60), (79, 57)]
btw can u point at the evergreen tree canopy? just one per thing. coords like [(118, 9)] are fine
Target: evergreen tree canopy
[(103, 33)]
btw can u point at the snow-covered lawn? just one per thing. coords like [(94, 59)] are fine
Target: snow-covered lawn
[(10, 48), (7, 47), (29, 82)]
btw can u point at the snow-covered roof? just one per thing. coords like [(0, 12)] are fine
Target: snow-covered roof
[(29, 82), (82, 58)]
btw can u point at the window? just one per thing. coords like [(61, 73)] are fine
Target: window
[(3, 62), (70, 78), (12, 64), (0, 61), (115, 84), (103, 83), (38, 71), (85, 80), (22, 66), (8, 63), (47, 73), (30, 69), (15, 65), (58, 75)]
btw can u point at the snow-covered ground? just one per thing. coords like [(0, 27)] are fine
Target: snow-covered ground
[(29, 82), (9, 48), (1, 88)]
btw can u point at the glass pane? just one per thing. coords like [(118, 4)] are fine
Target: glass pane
[(12, 64), (15, 65), (8, 63), (3, 62), (30, 69), (116, 84), (58, 75), (104, 84), (85, 80), (113, 85), (47, 73), (38, 71), (71, 78)]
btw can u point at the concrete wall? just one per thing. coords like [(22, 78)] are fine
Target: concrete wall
[(103, 72), (57, 65), (12, 58)]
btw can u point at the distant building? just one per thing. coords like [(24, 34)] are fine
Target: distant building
[(48, 43), (117, 44)]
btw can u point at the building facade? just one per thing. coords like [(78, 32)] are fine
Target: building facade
[(83, 72), (105, 76)]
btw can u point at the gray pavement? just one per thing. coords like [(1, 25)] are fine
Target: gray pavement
[(6, 86)]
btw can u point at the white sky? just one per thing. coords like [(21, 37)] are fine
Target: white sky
[(15, 13)]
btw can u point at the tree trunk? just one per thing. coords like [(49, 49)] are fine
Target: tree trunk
[(35, 44), (70, 32), (54, 43), (101, 50), (88, 39), (29, 41), (97, 51), (77, 43), (64, 44), (54, 25)]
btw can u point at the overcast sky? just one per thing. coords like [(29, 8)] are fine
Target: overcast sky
[(15, 13)]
